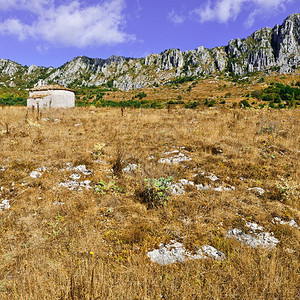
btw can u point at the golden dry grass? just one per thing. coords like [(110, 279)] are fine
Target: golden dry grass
[(62, 244)]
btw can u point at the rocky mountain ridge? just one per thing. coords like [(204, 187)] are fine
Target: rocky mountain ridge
[(266, 49)]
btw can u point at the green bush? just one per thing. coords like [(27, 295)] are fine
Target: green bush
[(154, 192), (182, 80), (141, 95), (278, 92), (244, 103), (210, 103), (192, 105)]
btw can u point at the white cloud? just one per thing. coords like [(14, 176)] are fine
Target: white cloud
[(30, 5), (226, 10), (69, 24), (14, 27), (175, 18)]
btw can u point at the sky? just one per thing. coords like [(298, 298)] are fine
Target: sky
[(52, 32)]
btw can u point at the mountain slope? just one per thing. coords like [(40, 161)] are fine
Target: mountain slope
[(275, 49)]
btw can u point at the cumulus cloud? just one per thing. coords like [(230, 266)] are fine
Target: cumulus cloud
[(71, 24), (175, 18), (226, 10)]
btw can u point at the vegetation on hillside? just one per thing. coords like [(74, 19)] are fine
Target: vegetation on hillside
[(188, 92), (280, 94)]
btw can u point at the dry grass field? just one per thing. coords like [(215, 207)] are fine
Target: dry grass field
[(75, 225)]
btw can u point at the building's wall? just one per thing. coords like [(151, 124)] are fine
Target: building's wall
[(62, 98), (40, 102), (52, 98)]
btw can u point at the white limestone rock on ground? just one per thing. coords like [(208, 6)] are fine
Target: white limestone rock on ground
[(175, 158), (291, 223), (256, 238), (178, 188), (35, 174), (83, 170), (258, 190), (4, 204), (74, 184), (175, 252), (131, 168), (212, 177)]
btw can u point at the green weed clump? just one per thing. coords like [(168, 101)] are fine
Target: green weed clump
[(155, 192)]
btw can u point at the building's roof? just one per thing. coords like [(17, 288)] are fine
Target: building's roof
[(50, 87)]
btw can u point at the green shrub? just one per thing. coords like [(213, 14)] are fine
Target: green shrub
[(154, 192), (210, 103), (192, 105), (182, 80), (244, 103), (141, 95)]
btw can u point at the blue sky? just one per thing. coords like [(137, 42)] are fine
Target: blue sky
[(52, 32)]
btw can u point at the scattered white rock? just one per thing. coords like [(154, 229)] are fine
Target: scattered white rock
[(254, 227), (35, 174), (255, 239), (86, 184), (229, 188), (175, 252), (2, 168), (42, 169), (212, 252), (131, 168), (218, 189), (58, 203), (70, 184), (176, 189), (74, 184), (186, 182), (4, 204), (212, 177), (51, 119), (169, 254), (75, 176), (78, 124), (171, 152), (176, 159), (83, 170), (259, 190), (201, 187), (291, 223)]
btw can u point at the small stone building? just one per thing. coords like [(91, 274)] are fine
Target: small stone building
[(54, 95)]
